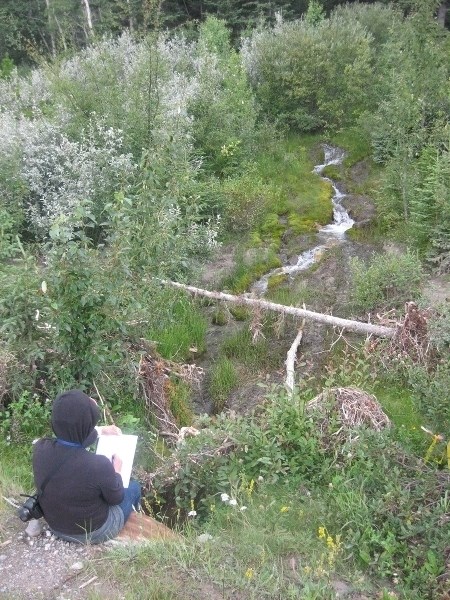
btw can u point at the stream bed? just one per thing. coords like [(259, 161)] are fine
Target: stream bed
[(329, 235)]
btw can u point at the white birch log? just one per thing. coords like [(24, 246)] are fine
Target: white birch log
[(290, 362), (356, 326)]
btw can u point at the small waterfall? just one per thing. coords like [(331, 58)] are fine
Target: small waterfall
[(341, 219), (333, 232)]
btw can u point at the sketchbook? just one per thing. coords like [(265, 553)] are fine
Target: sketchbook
[(122, 445)]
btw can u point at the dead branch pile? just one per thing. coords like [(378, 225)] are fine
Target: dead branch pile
[(353, 406), (154, 381), (412, 337)]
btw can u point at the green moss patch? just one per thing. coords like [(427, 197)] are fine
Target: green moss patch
[(276, 280), (332, 172)]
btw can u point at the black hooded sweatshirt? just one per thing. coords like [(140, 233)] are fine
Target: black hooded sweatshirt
[(77, 497)]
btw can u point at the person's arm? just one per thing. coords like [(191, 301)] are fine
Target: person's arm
[(111, 484)]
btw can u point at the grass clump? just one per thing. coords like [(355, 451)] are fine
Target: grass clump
[(241, 347), (183, 329), (240, 313), (277, 280), (245, 274), (286, 295), (220, 316), (223, 379), (179, 395)]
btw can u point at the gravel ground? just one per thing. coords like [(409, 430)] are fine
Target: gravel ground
[(44, 567)]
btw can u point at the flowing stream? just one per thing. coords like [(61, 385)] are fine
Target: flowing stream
[(331, 234)]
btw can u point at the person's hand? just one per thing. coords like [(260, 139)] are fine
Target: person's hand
[(116, 463), (109, 430)]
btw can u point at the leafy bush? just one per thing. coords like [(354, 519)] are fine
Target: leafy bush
[(26, 418), (277, 441), (61, 174), (223, 108), (247, 198), (431, 394), (311, 75), (390, 523), (22, 306), (388, 281)]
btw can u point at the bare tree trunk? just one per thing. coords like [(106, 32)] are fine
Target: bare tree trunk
[(87, 12), (50, 27), (442, 13), (356, 326), (130, 16), (61, 33)]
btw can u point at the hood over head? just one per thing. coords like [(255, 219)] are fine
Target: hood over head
[(74, 416)]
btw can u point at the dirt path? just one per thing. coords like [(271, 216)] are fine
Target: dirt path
[(47, 568)]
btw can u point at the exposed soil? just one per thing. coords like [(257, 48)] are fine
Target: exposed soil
[(46, 568)]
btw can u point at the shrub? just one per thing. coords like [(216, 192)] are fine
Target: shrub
[(223, 108), (61, 174), (388, 281), (247, 198), (311, 75), (430, 394), (26, 418), (390, 523), (276, 442)]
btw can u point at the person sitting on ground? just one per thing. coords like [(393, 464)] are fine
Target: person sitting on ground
[(84, 499)]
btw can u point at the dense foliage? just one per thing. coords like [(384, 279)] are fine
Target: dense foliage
[(130, 160)]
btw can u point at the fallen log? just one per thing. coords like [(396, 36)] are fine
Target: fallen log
[(356, 326)]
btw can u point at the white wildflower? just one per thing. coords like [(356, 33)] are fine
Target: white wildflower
[(233, 502), (224, 497), (192, 513), (243, 508)]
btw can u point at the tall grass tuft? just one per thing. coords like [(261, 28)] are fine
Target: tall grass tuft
[(223, 379)]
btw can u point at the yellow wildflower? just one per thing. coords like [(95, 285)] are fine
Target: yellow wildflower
[(322, 532)]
